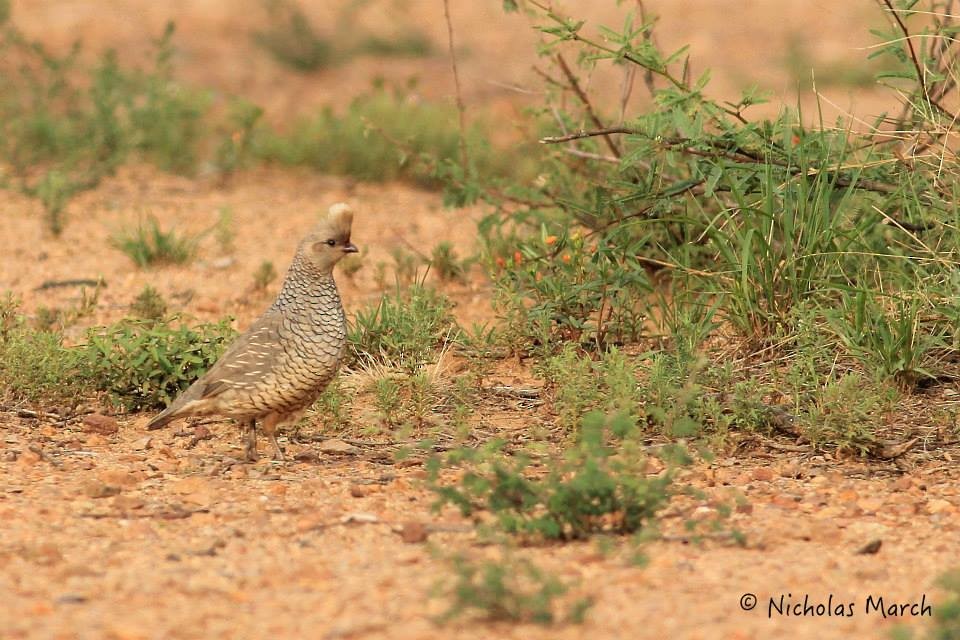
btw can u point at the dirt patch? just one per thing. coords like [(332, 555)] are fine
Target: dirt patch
[(163, 535)]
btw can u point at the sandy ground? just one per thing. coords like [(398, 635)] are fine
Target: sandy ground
[(133, 535)]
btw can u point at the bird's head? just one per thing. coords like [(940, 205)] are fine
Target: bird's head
[(329, 241)]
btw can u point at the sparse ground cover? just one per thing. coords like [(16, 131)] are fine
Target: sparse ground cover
[(688, 350)]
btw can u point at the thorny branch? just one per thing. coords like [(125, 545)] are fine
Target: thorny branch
[(582, 96)]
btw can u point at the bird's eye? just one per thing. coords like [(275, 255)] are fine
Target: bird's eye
[(331, 242)]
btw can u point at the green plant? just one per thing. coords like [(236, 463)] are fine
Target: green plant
[(223, 229), (597, 487), (845, 411), (514, 590), (405, 266), (167, 121), (264, 275), (149, 305), (292, 40), (898, 343), (387, 400), (35, 366), (946, 613), (145, 365), (404, 330), (66, 126), (236, 149), (411, 44), (387, 135), (445, 263), (149, 245), (333, 407)]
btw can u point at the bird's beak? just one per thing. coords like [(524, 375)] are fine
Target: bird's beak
[(350, 248)]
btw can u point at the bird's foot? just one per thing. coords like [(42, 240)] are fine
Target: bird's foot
[(277, 451)]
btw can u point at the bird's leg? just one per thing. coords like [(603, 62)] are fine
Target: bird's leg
[(270, 424), (250, 439)]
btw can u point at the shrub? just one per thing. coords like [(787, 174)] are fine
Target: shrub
[(513, 590), (149, 245), (404, 330), (144, 365), (597, 487)]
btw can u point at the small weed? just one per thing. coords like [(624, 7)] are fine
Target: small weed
[(513, 590), (236, 150), (333, 406), (35, 366), (350, 265), (144, 365), (149, 245), (223, 230), (406, 45), (406, 266), (387, 400), (404, 330), (149, 305), (846, 411), (384, 135), (54, 192), (597, 487), (445, 263), (946, 613), (559, 289), (292, 40), (898, 343), (263, 276)]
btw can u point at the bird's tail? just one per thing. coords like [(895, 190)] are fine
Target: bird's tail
[(184, 405), (163, 418)]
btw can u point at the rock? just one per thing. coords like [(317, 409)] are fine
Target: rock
[(207, 548), (939, 505), (196, 489), (359, 518), (100, 424), (127, 503), (871, 547), (222, 263), (45, 553), (306, 455), (143, 443), (763, 474), (337, 446), (28, 458), (358, 490), (120, 477), (414, 532), (97, 489), (870, 506)]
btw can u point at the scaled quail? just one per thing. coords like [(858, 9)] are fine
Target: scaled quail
[(284, 360)]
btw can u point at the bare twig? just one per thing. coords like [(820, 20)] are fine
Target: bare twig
[(78, 282), (647, 37), (573, 151), (919, 68), (607, 131), (585, 99), (461, 109)]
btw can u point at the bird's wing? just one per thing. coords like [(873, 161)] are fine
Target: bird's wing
[(251, 356)]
